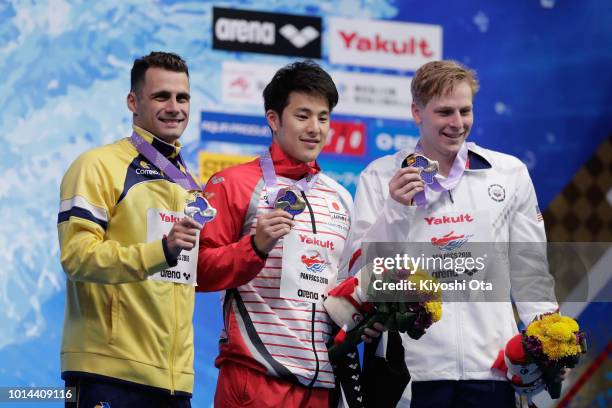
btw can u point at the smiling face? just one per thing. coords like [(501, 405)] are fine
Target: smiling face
[(301, 131), (161, 105), (445, 122)]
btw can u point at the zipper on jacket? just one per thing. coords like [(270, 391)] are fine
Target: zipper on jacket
[(312, 218), (312, 337), (314, 308), (450, 195), (173, 342), (460, 339)]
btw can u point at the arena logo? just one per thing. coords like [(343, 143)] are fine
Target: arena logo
[(266, 33), (299, 38), (385, 44)]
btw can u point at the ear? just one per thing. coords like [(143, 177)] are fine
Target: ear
[(131, 102), (273, 120), (416, 113)]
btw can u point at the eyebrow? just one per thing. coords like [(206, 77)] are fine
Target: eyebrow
[(167, 94), (306, 110), (444, 108)]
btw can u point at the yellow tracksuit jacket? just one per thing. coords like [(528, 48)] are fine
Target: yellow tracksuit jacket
[(117, 323)]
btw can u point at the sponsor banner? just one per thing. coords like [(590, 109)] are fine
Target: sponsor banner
[(369, 95), (345, 138), (243, 129), (266, 33), (243, 83), (389, 140), (373, 95), (383, 44), (211, 163), (345, 172)]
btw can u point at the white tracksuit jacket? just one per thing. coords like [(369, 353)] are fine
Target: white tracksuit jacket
[(464, 344)]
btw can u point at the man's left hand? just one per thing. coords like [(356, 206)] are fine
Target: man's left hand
[(563, 374), (372, 333)]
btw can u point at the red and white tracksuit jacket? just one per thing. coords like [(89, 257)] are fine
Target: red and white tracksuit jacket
[(281, 337)]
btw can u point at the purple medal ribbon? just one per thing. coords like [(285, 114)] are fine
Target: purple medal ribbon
[(454, 175), (269, 175), (164, 165)]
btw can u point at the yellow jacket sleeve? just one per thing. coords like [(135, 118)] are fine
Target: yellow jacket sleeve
[(88, 196)]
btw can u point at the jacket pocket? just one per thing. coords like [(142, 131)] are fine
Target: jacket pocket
[(114, 317)]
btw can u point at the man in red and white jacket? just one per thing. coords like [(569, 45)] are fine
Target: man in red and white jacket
[(279, 262)]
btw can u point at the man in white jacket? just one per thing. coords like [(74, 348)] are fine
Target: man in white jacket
[(479, 196)]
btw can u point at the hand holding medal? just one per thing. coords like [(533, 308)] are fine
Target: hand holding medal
[(427, 167), (417, 172)]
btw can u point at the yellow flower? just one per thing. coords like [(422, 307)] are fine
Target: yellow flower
[(421, 275), (557, 335), (560, 332), (573, 325), (435, 309)]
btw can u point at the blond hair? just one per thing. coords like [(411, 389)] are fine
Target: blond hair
[(439, 77)]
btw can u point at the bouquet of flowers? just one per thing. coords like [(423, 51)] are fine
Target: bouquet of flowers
[(534, 359), (353, 312)]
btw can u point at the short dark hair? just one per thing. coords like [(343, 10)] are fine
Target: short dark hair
[(157, 59), (302, 76)]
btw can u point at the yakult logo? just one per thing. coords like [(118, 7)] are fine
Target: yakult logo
[(380, 44), (449, 220), (384, 44), (328, 244), (171, 218)]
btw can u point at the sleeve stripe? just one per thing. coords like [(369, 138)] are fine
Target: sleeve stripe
[(78, 206), (80, 213), (81, 202)]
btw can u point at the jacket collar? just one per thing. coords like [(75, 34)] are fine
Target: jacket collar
[(287, 166), (171, 151), (476, 160)]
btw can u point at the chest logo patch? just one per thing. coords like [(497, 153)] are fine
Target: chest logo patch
[(497, 193)]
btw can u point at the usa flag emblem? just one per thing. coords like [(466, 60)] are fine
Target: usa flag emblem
[(539, 216)]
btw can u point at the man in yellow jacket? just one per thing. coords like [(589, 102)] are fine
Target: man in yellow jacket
[(130, 253)]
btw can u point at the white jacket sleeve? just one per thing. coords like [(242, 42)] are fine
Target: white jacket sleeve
[(531, 282)]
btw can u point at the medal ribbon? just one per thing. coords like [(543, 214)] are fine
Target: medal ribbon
[(454, 175), (269, 175), (164, 165)]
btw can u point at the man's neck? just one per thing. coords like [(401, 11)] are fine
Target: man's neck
[(171, 143)]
